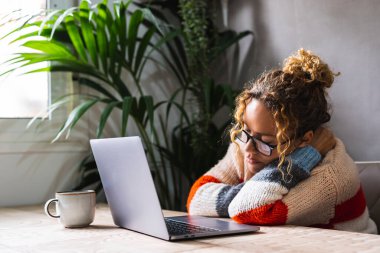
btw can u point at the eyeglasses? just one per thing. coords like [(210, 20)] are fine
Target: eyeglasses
[(262, 147)]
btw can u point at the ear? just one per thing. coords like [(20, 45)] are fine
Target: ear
[(306, 139)]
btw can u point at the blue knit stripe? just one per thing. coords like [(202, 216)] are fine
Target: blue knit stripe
[(288, 180), (303, 161), (305, 158), (225, 196)]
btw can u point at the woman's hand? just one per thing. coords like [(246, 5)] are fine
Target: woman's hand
[(323, 140)]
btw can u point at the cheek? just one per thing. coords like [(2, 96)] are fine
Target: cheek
[(268, 159)]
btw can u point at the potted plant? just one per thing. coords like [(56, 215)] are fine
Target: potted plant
[(100, 46), (197, 141)]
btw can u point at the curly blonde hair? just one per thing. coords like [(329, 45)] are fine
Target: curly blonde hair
[(296, 97)]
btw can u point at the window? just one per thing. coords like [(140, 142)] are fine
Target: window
[(22, 97)]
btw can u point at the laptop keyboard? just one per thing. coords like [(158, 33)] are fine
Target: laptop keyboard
[(181, 228)]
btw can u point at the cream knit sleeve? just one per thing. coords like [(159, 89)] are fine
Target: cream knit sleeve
[(260, 201), (211, 194)]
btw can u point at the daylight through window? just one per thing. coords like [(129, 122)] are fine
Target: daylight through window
[(21, 96)]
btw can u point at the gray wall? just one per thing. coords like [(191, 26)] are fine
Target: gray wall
[(345, 33)]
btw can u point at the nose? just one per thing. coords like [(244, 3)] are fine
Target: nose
[(250, 147)]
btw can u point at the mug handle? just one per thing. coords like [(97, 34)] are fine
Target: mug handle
[(47, 208)]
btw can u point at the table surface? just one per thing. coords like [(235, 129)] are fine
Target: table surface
[(28, 229)]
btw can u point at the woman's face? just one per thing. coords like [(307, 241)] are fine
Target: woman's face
[(259, 123)]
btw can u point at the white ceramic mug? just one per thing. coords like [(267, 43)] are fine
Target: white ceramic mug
[(74, 209)]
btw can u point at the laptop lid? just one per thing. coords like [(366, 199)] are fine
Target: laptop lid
[(128, 185), (132, 196)]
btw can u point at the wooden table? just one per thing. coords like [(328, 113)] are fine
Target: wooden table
[(28, 229)]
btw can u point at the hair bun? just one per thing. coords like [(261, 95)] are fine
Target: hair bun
[(309, 67)]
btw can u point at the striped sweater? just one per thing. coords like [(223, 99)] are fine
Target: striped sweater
[(318, 192)]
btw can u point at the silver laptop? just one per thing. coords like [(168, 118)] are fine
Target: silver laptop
[(132, 197)]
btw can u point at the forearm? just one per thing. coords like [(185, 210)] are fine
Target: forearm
[(212, 193), (259, 201), (210, 197)]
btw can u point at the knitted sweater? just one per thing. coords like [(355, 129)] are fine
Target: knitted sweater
[(322, 193)]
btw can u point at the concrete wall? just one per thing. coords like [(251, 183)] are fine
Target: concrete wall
[(345, 33)]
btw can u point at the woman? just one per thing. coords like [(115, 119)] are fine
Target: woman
[(283, 166)]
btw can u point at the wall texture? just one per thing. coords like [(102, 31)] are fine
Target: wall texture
[(345, 33)]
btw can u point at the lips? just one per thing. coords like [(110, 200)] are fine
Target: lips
[(250, 160)]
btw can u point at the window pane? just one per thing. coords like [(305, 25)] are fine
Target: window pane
[(21, 96)]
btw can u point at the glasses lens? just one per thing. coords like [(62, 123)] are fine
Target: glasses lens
[(260, 146), (263, 148), (242, 136)]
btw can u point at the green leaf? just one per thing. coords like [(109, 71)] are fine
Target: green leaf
[(102, 41), (49, 47), (96, 86), (140, 111), (59, 103), (228, 95), (47, 19), (142, 48), (170, 67), (71, 66), (104, 117), (134, 24), (177, 53), (60, 19), (75, 37), (148, 101), (15, 30), (12, 61), (102, 11), (105, 12), (59, 64), (127, 105), (112, 49), (74, 116), (183, 112), (33, 58), (84, 5), (170, 102), (119, 84), (121, 23), (175, 66), (60, 35), (87, 31), (227, 39), (151, 18)]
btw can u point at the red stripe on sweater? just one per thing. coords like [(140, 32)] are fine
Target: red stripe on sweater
[(201, 181), (350, 209), (270, 214)]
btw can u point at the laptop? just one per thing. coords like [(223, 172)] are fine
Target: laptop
[(133, 200)]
